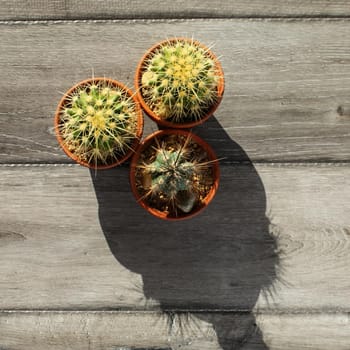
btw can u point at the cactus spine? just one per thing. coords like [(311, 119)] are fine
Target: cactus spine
[(179, 81), (98, 122)]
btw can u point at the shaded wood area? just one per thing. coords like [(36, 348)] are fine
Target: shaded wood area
[(273, 238), (287, 82), (112, 330), (70, 9)]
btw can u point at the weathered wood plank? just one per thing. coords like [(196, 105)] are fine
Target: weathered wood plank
[(141, 331), (287, 83), (71, 240), (68, 9), (305, 332)]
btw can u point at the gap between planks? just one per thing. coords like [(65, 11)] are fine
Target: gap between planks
[(179, 20), (135, 312), (305, 164)]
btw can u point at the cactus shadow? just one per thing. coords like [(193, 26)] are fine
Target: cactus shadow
[(221, 260)]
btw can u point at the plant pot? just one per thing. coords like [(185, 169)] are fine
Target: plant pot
[(100, 151), (190, 118), (200, 186)]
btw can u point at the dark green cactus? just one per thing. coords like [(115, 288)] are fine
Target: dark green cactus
[(170, 172), (171, 175)]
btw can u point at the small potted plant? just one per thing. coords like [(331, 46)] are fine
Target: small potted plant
[(174, 174), (99, 123), (179, 83)]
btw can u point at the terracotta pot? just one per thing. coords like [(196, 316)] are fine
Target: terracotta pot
[(139, 130), (147, 142), (151, 113)]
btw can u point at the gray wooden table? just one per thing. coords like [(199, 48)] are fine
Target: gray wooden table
[(266, 266)]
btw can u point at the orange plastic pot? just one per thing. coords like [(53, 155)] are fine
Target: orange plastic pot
[(64, 101), (146, 143), (151, 113)]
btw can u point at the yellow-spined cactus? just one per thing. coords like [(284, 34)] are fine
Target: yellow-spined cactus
[(179, 81), (98, 122)]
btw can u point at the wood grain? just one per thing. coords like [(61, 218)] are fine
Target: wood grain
[(141, 331), (287, 82), (264, 267), (70, 240), (69, 9)]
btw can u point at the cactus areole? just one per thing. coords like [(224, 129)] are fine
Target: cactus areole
[(174, 174), (179, 83), (99, 123)]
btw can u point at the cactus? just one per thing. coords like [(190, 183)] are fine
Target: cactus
[(170, 174), (98, 122), (180, 81), (174, 172)]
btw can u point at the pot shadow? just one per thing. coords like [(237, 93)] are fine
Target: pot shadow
[(217, 263)]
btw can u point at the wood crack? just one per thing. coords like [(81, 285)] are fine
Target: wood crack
[(175, 20)]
